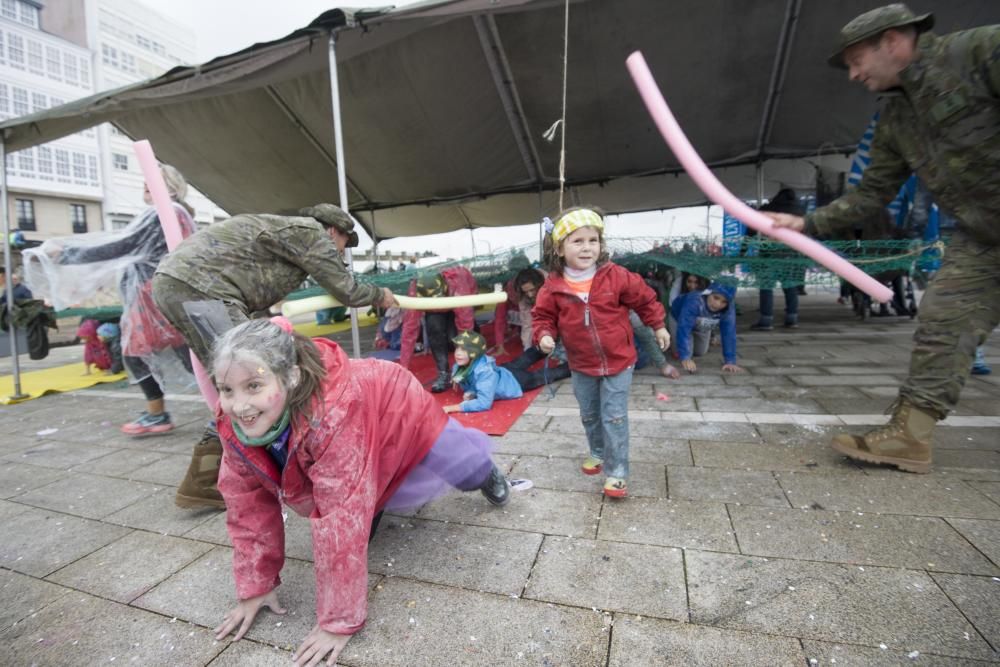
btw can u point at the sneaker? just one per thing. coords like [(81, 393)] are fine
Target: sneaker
[(592, 466), (615, 487), (496, 488), (791, 325), (148, 424), (760, 326), (981, 369)]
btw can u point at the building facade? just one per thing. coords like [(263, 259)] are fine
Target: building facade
[(55, 189)]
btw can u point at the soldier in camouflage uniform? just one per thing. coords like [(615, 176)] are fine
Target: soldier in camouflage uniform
[(940, 118), (249, 263)]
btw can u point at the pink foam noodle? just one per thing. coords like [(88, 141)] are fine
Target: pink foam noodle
[(174, 235), (718, 193)]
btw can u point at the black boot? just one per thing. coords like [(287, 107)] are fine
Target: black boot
[(496, 489), (442, 382)]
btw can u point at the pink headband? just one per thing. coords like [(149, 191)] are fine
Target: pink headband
[(283, 322)]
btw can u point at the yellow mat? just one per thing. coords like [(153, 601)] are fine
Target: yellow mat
[(49, 380), (70, 376)]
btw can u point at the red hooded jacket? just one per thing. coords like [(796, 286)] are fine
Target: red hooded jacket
[(370, 426), (460, 282), (597, 334)]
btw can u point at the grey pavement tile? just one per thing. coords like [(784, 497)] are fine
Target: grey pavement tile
[(649, 641), (800, 406), (247, 653), (890, 494), (707, 375), (96, 431), (848, 655), (846, 380), (414, 624), (483, 559), (902, 609), (657, 450), (23, 596), (781, 393), (677, 430), (80, 629), (90, 496), (859, 538), (570, 425), (966, 437), (127, 568), (761, 381), (531, 423), (980, 406), (680, 388), (120, 463), (984, 535), (669, 523), (804, 434), (968, 464), (768, 456), (169, 469), (213, 530), (61, 455), (989, 489), (37, 542), (542, 444), (204, 591), (835, 369), (629, 578), (979, 600), (158, 514), (855, 406), (674, 404), (538, 510), (786, 370), (563, 474), (721, 485), (18, 478)]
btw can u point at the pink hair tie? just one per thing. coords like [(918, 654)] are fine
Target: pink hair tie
[(283, 322)]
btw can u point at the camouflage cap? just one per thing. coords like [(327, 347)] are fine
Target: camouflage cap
[(875, 22), (329, 215), (430, 284), (472, 342)]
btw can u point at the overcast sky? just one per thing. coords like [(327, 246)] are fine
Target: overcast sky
[(225, 26)]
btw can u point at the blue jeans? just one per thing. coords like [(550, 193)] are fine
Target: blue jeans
[(791, 305), (604, 413)]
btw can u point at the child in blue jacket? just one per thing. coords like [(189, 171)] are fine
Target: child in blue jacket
[(477, 373), (694, 316)]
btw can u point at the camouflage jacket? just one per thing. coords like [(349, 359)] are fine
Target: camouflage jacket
[(944, 124), (256, 260)]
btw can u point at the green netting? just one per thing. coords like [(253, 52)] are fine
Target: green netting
[(760, 262), (95, 313)]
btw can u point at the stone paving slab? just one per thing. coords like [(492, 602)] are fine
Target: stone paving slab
[(121, 463), (802, 406), (829, 653), (749, 487), (681, 388), (483, 559), (91, 496), (538, 510), (903, 609), (847, 380), (127, 568), (248, 653), (157, 513), (649, 641), (79, 629), (36, 542), (694, 431), (169, 469), (979, 600), (608, 576), (897, 494), (768, 456), (984, 535), (413, 624), (563, 474), (858, 538), (989, 489), (61, 455), (669, 523), (657, 450), (781, 393), (19, 478), (23, 596)]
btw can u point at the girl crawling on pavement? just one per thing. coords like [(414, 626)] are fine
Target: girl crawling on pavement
[(338, 440)]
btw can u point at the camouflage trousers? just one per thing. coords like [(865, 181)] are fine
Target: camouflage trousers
[(170, 296), (957, 313)]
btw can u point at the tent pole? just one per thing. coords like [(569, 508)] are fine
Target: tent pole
[(8, 262), (338, 137), (760, 184)]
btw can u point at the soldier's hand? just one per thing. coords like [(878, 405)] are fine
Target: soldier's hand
[(388, 299), (546, 344), (794, 222)]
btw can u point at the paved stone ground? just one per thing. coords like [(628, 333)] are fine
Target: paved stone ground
[(746, 539)]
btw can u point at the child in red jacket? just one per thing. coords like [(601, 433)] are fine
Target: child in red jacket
[(586, 301), (338, 440)]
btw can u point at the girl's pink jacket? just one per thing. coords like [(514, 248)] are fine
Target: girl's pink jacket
[(372, 424)]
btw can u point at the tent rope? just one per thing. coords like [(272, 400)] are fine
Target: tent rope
[(550, 133)]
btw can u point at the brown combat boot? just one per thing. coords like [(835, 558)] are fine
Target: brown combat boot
[(904, 442), (198, 490)]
